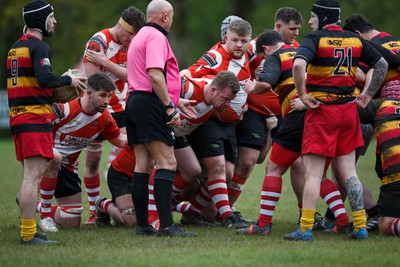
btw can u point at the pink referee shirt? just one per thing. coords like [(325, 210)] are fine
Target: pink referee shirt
[(150, 49)]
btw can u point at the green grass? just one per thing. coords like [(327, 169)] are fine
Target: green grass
[(90, 246)]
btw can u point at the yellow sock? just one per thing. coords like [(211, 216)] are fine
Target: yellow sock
[(28, 229), (359, 219), (307, 219)]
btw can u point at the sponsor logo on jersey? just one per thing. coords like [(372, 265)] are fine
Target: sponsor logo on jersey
[(335, 42), (45, 62), (210, 59), (73, 141), (17, 110)]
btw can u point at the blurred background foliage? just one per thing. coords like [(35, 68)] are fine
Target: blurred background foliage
[(196, 23)]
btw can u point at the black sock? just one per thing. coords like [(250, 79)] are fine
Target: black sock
[(140, 197), (372, 212), (163, 180), (329, 214)]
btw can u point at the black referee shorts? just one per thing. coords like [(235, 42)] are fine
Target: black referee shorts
[(146, 120)]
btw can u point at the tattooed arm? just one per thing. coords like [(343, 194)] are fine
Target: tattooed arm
[(380, 69)]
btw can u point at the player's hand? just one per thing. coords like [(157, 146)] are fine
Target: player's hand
[(79, 83), (244, 110), (249, 86), (309, 101), (174, 117), (363, 100), (186, 109), (297, 105), (97, 58), (272, 122)]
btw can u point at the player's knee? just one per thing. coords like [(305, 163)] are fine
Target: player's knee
[(70, 215), (129, 217), (217, 169)]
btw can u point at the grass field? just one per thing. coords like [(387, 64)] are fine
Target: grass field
[(91, 246)]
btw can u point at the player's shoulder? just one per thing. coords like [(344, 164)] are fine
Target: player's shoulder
[(212, 58), (101, 38)]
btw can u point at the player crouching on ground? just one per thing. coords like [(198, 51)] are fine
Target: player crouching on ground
[(76, 124)]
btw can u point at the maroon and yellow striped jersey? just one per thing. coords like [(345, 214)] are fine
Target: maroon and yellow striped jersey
[(384, 115), (278, 73), (28, 65), (266, 104), (332, 56), (389, 47)]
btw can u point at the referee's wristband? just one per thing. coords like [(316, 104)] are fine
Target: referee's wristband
[(171, 115)]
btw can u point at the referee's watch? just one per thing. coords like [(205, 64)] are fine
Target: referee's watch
[(170, 105)]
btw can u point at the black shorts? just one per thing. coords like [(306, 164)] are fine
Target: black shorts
[(252, 130), (389, 200), (367, 134), (181, 142), (119, 183), (146, 120), (119, 118), (275, 129), (290, 133), (68, 183), (214, 138)]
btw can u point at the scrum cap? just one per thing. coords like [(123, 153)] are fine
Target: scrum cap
[(327, 11), (36, 13), (225, 25)]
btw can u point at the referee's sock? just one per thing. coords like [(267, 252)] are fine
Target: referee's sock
[(140, 197)]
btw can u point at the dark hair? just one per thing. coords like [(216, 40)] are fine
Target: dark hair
[(241, 27), (357, 22), (133, 17), (226, 79), (267, 37), (100, 81), (286, 14)]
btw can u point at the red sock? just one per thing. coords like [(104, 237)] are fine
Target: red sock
[(47, 187), (179, 184), (219, 193), (200, 201), (235, 187), (183, 207), (104, 205), (92, 185), (270, 194), (152, 208), (393, 228), (331, 195)]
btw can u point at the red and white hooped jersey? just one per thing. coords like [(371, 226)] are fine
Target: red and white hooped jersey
[(193, 89), (218, 59), (117, 53), (74, 130)]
